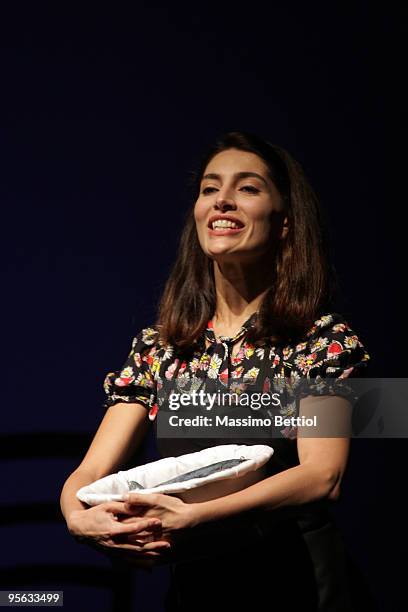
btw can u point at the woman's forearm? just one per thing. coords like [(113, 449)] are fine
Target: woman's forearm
[(68, 500), (298, 485)]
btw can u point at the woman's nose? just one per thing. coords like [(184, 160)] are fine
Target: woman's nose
[(224, 203)]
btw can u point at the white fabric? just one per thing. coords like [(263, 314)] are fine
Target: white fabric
[(115, 486)]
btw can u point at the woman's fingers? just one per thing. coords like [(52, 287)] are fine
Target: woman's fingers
[(160, 545), (131, 523), (148, 554), (124, 552), (141, 541), (119, 508), (141, 499), (147, 535), (156, 547), (152, 546), (116, 506), (136, 526)]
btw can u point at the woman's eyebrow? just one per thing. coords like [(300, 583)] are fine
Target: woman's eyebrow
[(213, 175)]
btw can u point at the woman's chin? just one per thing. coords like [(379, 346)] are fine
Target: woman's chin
[(224, 256)]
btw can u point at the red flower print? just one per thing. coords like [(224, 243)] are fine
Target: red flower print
[(149, 359), (238, 357), (126, 377), (237, 373), (334, 348), (153, 412), (171, 369), (223, 376)]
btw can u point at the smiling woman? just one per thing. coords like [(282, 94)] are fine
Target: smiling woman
[(259, 201), (280, 247), (247, 305)]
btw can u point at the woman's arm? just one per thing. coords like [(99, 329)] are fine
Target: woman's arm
[(322, 462), (318, 475), (120, 433), (68, 500), (301, 484)]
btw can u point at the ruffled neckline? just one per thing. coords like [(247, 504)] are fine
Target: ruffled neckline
[(210, 335)]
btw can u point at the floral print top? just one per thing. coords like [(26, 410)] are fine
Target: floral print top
[(330, 349)]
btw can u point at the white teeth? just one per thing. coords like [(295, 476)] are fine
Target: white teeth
[(224, 223)]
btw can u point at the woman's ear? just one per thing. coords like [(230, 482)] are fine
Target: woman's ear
[(285, 228)]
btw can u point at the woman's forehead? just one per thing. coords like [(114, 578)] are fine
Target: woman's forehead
[(230, 158)]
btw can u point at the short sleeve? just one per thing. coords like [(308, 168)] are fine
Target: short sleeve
[(335, 352), (135, 381)]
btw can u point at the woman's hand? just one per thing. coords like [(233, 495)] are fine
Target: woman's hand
[(173, 513), (101, 525)]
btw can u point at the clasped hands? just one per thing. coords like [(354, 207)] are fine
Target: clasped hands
[(154, 521)]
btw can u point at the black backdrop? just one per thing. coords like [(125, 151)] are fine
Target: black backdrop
[(104, 111)]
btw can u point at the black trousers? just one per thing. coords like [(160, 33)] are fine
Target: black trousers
[(270, 567)]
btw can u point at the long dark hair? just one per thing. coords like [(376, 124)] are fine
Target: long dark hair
[(304, 280)]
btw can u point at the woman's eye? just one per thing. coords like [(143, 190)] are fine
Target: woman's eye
[(250, 187), (205, 190)]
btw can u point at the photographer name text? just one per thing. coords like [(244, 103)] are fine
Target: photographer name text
[(226, 421)]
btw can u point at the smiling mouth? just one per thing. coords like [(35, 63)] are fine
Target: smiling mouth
[(224, 226), (224, 231)]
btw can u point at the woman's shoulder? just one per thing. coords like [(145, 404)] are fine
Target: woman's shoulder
[(147, 340), (333, 325), (332, 343), (329, 323)]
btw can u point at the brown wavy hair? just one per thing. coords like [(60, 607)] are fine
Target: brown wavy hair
[(304, 281)]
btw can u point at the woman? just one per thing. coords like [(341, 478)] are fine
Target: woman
[(248, 300)]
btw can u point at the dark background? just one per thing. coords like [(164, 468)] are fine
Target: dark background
[(104, 112)]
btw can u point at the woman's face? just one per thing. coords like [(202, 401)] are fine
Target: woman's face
[(235, 186)]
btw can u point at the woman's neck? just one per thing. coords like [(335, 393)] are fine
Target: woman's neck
[(239, 293)]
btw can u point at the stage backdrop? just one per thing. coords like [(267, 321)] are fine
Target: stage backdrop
[(103, 115)]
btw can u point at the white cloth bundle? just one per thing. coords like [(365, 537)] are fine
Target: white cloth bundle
[(152, 477)]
